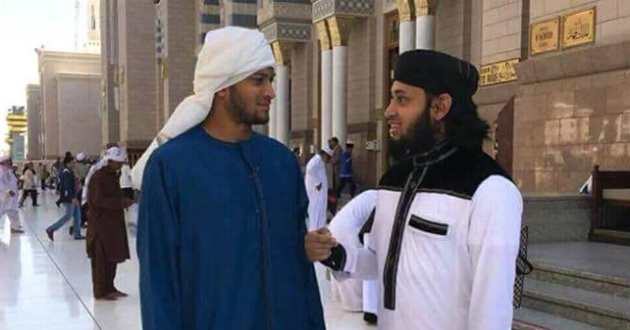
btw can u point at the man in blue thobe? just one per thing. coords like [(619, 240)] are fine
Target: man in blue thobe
[(222, 212)]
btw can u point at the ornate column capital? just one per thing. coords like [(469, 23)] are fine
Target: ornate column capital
[(282, 52), (425, 7), (324, 35), (340, 28), (405, 10)]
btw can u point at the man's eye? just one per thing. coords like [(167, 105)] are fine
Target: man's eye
[(401, 99)]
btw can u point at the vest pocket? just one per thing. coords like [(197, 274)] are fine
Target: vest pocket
[(425, 225)]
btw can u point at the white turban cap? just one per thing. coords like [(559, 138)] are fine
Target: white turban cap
[(228, 56), (114, 154), (4, 156)]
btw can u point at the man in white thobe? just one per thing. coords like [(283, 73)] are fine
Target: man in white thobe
[(9, 203), (316, 183), (446, 232)]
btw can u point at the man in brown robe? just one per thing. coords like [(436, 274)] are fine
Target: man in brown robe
[(107, 243)]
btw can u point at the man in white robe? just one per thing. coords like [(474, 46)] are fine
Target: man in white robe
[(9, 204), (446, 232), (316, 183)]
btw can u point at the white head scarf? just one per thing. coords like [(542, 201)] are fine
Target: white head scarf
[(113, 153), (4, 156), (229, 55)]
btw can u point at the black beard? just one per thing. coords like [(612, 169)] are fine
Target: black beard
[(237, 111), (419, 139)]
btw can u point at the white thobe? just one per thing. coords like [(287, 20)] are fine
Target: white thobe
[(317, 191), (453, 278), (9, 204), (345, 227)]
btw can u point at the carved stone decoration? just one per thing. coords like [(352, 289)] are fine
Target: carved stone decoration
[(425, 7), (340, 28), (324, 35), (282, 52), (405, 10), (323, 9), (284, 21), (294, 32)]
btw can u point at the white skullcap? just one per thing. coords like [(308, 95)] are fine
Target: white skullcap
[(81, 157), (229, 55), (327, 150), (4, 156), (114, 154)]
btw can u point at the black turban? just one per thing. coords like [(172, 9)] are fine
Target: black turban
[(437, 73)]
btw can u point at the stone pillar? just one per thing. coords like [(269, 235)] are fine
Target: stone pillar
[(326, 82), (425, 24), (273, 114), (340, 28), (407, 31), (282, 52)]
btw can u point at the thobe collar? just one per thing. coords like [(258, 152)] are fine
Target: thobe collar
[(440, 152)]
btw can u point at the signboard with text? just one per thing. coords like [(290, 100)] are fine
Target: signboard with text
[(497, 73), (544, 36), (578, 28)]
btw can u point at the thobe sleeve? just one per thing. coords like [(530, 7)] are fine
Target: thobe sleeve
[(313, 301), (101, 197), (158, 246), (356, 261), (493, 243)]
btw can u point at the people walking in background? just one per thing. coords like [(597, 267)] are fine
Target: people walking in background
[(346, 172), (107, 243), (335, 162), (68, 197), (43, 175), (9, 193), (29, 184), (81, 167), (126, 187), (55, 172), (316, 183)]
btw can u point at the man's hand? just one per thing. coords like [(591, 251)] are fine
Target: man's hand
[(11, 193), (318, 244), (75, 201), (128, 202)]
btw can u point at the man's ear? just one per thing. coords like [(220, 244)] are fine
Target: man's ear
[(223, 93), (440, 107)]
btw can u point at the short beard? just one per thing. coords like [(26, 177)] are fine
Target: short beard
[(237, 111), (420, 138)]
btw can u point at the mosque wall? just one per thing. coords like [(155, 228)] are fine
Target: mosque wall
[(79, 106), (51, 65), (137, 77), (35, 128)]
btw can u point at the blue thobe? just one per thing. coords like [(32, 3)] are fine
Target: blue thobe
[(221, 238)]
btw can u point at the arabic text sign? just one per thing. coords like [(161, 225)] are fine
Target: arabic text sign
[(578, 28), (498, 72)]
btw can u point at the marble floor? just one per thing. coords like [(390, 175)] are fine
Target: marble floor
[(47, 285)]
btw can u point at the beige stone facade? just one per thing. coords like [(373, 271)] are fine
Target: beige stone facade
[(58, 101), (129, 76), (568, 108), (78, 101), (34, 112)]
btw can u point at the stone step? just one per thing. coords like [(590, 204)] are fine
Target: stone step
[(617, 286), (527, 319), (590, 307)]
